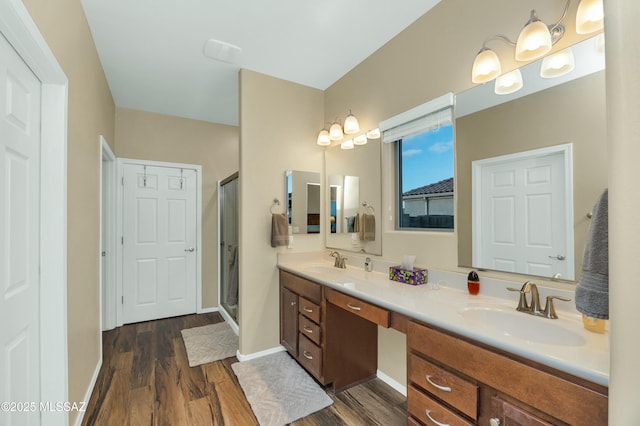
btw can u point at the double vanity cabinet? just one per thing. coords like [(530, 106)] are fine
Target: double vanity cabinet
[(451, 379)]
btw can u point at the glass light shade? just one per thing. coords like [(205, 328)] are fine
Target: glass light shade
[(509, 82), (351, 125), (323, 138), (360, 140), (347, 144), (373, 134), (534, 41), (558, 64), (589, 16), (335, 132), (486, 66)]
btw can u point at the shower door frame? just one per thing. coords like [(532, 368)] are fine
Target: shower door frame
[(227, 317)]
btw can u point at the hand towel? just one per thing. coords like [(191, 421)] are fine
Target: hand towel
[(367, 228), (279, 230), (592, 292)]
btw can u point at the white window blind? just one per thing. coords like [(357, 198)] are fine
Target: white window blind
[(433, 114)]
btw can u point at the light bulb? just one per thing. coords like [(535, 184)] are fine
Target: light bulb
[(508, 83), (534, 40), (323, 138), (486, 66), (335, 131), (351, 125), (558, 64)]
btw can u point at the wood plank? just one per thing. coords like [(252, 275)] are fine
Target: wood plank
[(234, 405), (170, 403), (141, 406)]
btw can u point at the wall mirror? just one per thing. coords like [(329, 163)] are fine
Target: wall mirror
[(569, 111), (303, 201), (354, 198)]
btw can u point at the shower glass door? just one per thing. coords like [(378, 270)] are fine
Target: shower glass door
[(228, 232)]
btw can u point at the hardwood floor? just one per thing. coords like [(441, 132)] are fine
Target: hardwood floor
[(146, 380)]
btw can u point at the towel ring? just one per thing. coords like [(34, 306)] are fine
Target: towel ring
[(368, 206), (276, 202)]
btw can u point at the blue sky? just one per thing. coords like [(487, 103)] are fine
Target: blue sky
[(427, 158)]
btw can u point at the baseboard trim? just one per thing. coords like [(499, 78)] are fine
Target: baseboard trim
[(260, 354), (89, 392), (391, 382), (208, 310)]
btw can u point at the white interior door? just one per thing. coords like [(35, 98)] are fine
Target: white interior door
[(521, 215), (159, 242), (20, 107)]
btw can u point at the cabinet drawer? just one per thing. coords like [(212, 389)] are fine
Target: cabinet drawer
[(310, 356), (309, 309), (569, 401), (431, 412), (450, 388), (301, 286), (361, 308), (309, 328)]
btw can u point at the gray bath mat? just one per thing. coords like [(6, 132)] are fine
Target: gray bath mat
[(209, 343), (279, 390)]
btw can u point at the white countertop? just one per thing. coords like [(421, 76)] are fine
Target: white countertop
[(575, 350)]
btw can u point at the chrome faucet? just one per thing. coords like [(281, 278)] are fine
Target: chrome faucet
[(339, 262), (533, 308)]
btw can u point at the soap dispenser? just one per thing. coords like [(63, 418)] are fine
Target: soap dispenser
[(473, 283)]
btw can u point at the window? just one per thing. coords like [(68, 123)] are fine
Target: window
[(424, 147), (425, 179)]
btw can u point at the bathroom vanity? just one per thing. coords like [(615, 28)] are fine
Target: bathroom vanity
[(457, 374)]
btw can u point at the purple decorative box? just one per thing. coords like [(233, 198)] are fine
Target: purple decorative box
[(413, 277)]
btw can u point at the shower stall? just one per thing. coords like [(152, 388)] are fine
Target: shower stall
[(228, 253)]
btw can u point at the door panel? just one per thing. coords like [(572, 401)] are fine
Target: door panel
[(159, 250), (523, 223), (20, 107)]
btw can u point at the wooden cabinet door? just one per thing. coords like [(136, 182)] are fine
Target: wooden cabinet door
[(510, 415), (289, 321)]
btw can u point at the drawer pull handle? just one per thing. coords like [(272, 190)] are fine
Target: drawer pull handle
[(307, 355), (355, 308), (442, 388), (307, 310), (428, 413), (293, 303), (307, 329)]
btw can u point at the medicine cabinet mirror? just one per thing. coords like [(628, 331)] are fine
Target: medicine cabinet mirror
[(303, 201)]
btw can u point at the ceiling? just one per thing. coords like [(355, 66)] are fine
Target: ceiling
[(152, 50)]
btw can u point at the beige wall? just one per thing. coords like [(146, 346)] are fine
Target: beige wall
[(279, 123), (623, 109), (149, 136), (90, 114), (574, 112)]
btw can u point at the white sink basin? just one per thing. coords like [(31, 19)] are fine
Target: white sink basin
[(520, 325)]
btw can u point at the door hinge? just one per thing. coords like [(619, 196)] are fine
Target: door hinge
[(122, 181), (122, 300), (122, 240)]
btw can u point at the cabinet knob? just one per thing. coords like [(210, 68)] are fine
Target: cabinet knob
[(494, 422), (293, 303)]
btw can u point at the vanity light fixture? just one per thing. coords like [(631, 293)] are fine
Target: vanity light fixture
[(348, 144), (600, 44), (535, 40), (360, 140), (558, 64), (323, 138), (589, 16), (508, 83)]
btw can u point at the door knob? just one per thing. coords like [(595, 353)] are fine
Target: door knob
[(190, 249), (559, 257)]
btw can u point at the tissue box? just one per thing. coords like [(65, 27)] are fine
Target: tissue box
[(413, 277)]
